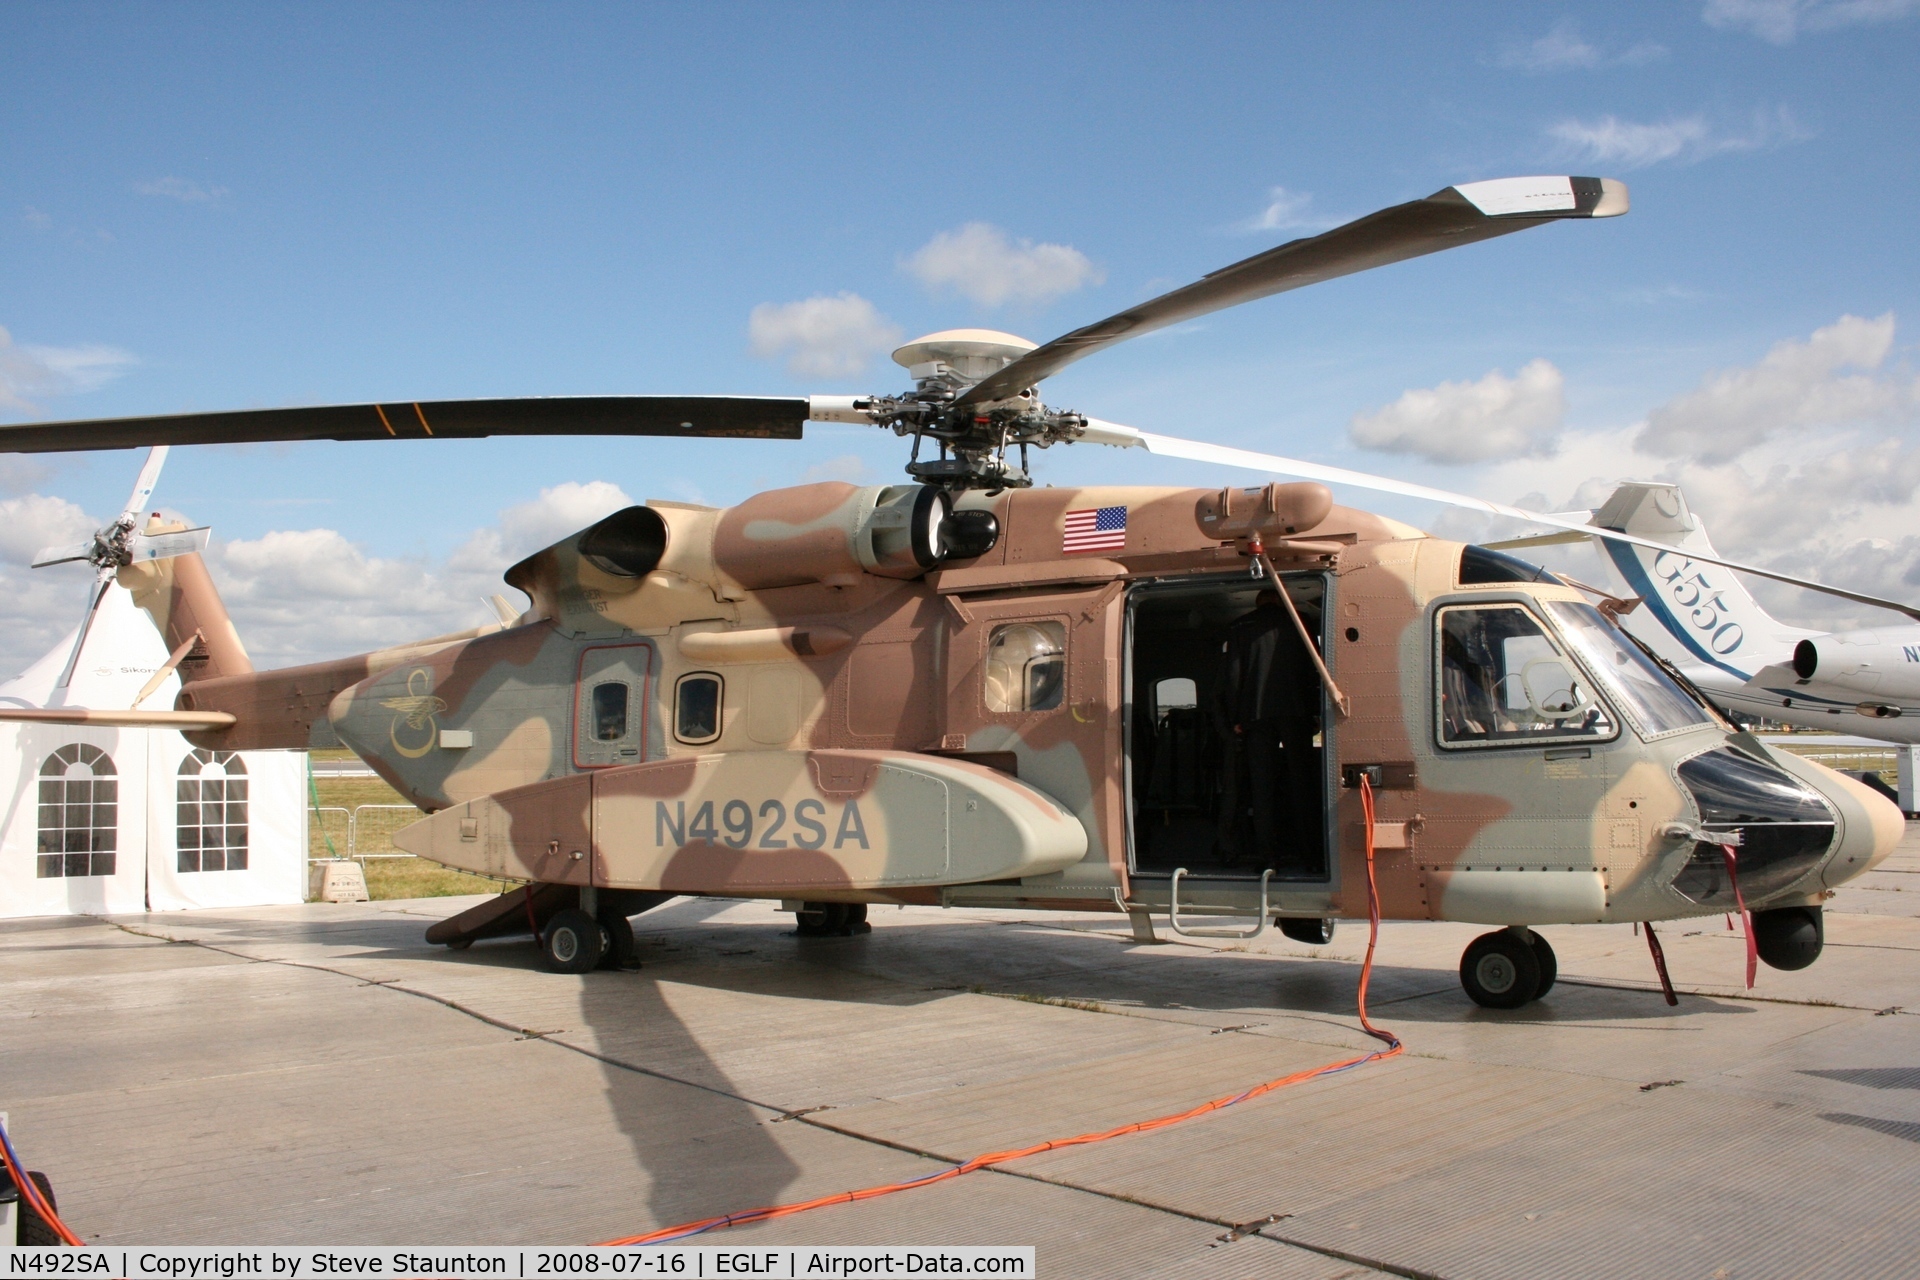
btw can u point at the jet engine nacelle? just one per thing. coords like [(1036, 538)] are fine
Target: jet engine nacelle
[(1875, 666)]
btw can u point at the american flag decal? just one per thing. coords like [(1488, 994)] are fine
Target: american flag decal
[(1095, 529)]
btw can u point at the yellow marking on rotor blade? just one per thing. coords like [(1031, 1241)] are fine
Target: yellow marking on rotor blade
[(423, 418), (383, 420)]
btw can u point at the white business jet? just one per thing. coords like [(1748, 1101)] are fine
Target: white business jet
[(1701, 619)]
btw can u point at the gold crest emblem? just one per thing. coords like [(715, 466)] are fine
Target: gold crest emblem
[(414, 728)]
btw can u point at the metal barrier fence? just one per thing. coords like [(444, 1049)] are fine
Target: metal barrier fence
[(371, 827), (362, 832)]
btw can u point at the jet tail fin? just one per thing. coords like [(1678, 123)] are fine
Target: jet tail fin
[(1696, 614)]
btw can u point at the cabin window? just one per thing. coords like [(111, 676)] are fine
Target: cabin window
[(1481, 565), (211, 810), (1027, 667), (1178, 693), (1503, 681), (79, 813), (696, 714), (610, 711)]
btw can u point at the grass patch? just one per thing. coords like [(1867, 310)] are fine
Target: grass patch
[(386, 877), (1059, 1002), (418, 878)]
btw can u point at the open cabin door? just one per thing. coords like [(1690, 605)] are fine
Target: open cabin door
[(1228, 731), (612, 700)]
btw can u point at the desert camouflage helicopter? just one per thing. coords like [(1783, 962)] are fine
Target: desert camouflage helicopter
[(970, 691)]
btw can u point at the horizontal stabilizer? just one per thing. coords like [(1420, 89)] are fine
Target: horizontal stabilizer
[(119, 719)]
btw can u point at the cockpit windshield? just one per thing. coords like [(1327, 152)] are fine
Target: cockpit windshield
[(1647, 694)]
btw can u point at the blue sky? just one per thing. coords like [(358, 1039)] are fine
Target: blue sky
[(207, 206)]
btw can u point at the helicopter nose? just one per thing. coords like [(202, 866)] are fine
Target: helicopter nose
[(1871, 827)]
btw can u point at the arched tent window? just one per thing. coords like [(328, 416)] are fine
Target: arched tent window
[(79, 813), (213, 812)]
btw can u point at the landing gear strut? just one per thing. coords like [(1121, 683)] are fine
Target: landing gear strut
[(1508, 968)]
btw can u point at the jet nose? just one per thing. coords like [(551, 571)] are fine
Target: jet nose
[(1872, 826)]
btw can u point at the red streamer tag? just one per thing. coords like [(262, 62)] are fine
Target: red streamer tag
[(1746, 917)]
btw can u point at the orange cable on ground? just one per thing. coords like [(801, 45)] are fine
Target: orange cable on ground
[(1394, 1047), (30, 1192)]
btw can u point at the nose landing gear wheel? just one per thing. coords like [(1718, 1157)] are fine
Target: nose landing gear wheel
[(572, 943), (1789, 937), (1501, 970), (1315, 933), (617, 932)]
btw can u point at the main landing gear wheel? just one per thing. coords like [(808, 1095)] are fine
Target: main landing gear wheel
[(573, 942), (1501, 970), (617, 932), (831, 920), (1315, 933), (1549, 963)]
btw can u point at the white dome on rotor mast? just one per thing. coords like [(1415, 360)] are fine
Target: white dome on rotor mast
[(970, 354)]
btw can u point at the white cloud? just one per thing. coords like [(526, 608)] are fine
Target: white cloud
[(1565, 49), (1807, 461), (528, 526), (850, 467), (822, 337), (1796, 387), (33, 521), (1287, 211), (50, 371), (1687, 139), (1781, 21), (1495, 418), (185, 190), (296, 595), (38, 219), (982, 263)]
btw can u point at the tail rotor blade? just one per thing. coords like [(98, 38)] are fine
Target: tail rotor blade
[(144, 486), (61, 555), (102, 581), (165, 546)]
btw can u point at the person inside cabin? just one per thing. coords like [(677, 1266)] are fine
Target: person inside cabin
[(1267, 710)]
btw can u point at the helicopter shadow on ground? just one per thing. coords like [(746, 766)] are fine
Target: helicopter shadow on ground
[(707, 1144)]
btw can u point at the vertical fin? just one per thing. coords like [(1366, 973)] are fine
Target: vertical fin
[(1696, 614), (179, 595)]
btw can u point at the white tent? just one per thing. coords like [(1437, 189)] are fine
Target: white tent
[(99, 820)]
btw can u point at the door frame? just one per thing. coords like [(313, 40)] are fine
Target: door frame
[(647, 681), (1329, 755)]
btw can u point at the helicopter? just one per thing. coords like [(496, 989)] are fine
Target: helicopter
[(1218, 705)]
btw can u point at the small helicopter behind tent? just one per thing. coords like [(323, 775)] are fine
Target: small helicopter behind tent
[(968, 690)]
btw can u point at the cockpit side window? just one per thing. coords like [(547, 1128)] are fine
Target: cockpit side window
[(1503, 681), (1027, 667)]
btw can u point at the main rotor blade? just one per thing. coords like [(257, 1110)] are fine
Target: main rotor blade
[(1453, 216), (143, 486), (742, 417), (1113, 433)]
